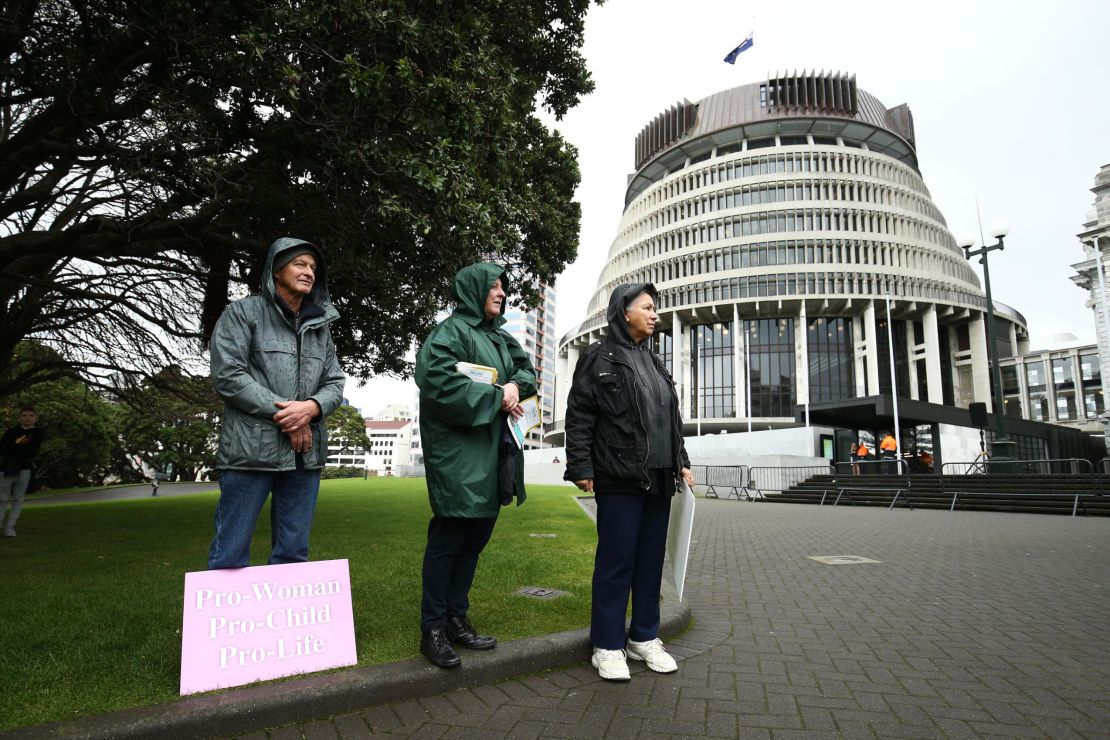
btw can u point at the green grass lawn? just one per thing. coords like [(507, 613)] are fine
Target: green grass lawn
[(92, 593)]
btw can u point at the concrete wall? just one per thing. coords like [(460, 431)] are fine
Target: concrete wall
[(769, 448), (959, 444), (797, 446)]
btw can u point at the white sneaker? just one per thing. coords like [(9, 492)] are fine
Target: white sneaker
[(9, 531), (653, 654), (610, 664)]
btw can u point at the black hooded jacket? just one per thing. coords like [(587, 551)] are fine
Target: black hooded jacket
[(606, 436)]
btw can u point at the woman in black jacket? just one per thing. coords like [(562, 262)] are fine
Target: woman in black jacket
[(624, 445)]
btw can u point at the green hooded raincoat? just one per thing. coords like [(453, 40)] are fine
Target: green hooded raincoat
[(460, 420), (258, 359)]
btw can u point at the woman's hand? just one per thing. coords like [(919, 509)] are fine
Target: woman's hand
[(511, 397), (586, 484), (688, 476)]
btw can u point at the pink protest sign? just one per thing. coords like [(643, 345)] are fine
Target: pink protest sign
[(251, 624)]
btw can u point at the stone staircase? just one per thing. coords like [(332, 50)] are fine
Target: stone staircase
[(1031, 494)]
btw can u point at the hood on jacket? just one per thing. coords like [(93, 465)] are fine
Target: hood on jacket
[(618, 301), (319, 295), (471, 287)]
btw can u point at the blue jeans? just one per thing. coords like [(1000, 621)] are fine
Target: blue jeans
[(242, 494)]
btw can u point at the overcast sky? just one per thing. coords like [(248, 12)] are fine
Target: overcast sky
[(1009, 100)]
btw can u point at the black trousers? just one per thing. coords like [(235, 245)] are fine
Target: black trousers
[(450, 559), (631, 542)]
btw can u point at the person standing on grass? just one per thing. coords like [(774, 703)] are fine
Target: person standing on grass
[(625, 446), (472, 464), (18, 448), (274, 365)]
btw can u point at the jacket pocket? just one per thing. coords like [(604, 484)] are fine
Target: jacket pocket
[(616, 462), (274, 361), (611, 394), (319, 456), (268, 450)]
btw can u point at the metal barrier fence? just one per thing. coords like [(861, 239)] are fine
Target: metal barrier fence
[(732, 477), (850, 479), (785, 478), (1054, 466), (1071, 466), (893, 474)]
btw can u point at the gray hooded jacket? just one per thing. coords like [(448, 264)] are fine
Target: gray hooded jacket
[(258, 360)]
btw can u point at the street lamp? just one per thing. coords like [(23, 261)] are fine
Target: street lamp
[(966, 242)]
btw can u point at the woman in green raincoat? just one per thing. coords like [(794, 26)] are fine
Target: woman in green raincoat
[(462, 422)]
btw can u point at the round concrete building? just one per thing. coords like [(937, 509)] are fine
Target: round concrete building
[(778, 221)]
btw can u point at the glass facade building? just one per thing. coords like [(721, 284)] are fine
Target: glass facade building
[(780, 222), (1060, 386)]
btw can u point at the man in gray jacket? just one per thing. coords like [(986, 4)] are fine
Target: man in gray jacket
[(274, 365)]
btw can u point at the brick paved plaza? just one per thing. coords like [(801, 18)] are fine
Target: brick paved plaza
[(973, 625)]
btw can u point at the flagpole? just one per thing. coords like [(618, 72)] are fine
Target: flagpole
[(893, 381)]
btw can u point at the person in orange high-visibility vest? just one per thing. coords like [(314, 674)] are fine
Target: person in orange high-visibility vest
[(888, 450), (860, 453)]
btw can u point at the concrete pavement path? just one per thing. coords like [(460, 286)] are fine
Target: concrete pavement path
[(118, 493), (971, 625)]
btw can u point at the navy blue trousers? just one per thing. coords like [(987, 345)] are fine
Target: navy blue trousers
[(450, 559), (631, 541)]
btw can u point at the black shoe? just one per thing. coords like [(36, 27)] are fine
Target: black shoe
[(460, 632), (434, 647)]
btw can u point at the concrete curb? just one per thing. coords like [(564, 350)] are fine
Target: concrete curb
[(256, 707)]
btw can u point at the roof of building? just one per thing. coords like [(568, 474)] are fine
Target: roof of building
[(384, 426), (795, 104)]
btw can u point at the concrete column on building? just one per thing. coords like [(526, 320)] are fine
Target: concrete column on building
[(1050, 385), (688, 339), (859, 353), (980, 362), (562, 385), (801, 359), (680, 364), (933, 372), (1077, 385), (1023, 388), (911, 354), (1102, 318), (739, 367), (872, 351), (563, 374), (954, 370)]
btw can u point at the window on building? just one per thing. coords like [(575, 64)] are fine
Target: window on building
[(831, 359), (963, 338), (1063, 378), (1092, 385), (711, 357), (1011, 391), (770, 344), (901, 360), (1038, 390)]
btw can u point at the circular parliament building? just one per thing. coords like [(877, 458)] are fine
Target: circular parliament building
[(782, 222)]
